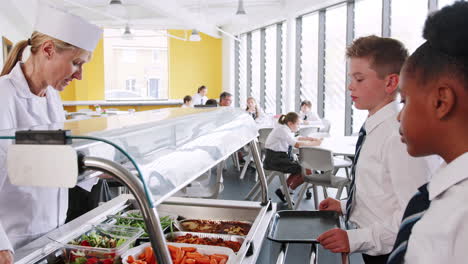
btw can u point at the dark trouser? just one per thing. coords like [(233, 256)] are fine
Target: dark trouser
[(382, 259)]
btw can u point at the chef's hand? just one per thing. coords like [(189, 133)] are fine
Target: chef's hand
[(330, 204), (6, 257), (335, 240)]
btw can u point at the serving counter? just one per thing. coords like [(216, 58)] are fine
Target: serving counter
[(155, 154)]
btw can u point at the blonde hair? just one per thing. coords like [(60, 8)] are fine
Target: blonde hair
[(257, 111), (36, 40)]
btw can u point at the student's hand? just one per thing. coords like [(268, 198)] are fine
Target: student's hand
[(6, 257), (330, 204), (336, 240)]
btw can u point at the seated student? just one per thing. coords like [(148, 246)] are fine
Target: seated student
[(380, 187), (225, 99), (434, 120), (211, 102), (187, 101), (279, 146), (305, 113), (200, 97), (252, 108)]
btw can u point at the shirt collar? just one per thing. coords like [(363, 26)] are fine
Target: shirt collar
[(19, 81), (386, 112), (449, 175)]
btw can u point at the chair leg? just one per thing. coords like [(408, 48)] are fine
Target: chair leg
[(270, 178), (235, 160), (286, 191), (347, 173), (339, 192), (325, 193), (301, 195), (244, 169), (315, 197)]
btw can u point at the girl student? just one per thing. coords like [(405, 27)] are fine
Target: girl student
[(279, 146), (252, 108), (434, 120)]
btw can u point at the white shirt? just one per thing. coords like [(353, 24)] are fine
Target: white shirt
[(27, 212), (386, 179), (311, 116), (280, 138), (441, 235), (197, 99)]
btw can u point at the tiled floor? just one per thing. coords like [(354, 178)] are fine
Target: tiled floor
[(237, 189)]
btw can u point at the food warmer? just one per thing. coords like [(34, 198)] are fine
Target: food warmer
[(155, 154)]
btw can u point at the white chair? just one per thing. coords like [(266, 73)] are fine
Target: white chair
[(326, 126), (321, 163), (254, 193)]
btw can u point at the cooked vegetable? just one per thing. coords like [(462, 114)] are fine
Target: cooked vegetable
[(99, 241), (182, 255), (136, 220)]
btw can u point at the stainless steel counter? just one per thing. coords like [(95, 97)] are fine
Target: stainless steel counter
[(44, 250)]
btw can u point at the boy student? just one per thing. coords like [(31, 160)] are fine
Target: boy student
[(381, 186), (434, 120)]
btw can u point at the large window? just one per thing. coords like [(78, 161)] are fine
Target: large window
[(255, 88), (408, 21), (367, 18), (309, 59), (242, 70), (335, 68), (270, 69), (137, 68), (442, 3), (367, 21)]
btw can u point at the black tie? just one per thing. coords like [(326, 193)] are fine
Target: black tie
[(416, 208), (360, 141)]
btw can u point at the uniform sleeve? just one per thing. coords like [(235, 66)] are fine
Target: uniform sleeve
[(4, 242), (406, 175), (289, 137)]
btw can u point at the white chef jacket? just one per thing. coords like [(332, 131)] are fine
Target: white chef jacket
[(26, 213), (441, 235), (386, 179), (280, 138), (197, 99)]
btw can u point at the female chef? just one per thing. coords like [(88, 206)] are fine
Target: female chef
[(60, 44)]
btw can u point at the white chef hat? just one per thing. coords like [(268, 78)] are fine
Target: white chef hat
[(67, 27)]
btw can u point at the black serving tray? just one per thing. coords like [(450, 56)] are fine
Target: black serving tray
[(301, 226)]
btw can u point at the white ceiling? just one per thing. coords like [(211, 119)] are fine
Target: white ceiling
[(204, 15)]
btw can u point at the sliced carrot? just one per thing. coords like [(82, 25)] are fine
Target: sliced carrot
[(223, 261), (213, 261), (183, 260), (142, 255), (130, 259), (202, 260), (218, 257), (193, 255), (189, 249), (190, 261)]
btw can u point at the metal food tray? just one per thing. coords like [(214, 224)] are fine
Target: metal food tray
[(301, 226), (178, 225), (225, 237)]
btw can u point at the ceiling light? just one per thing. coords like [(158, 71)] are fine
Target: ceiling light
[(127, 35), (240, 8), (116, 8), (195, 36)]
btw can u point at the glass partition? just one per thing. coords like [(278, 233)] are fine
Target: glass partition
[(172, 147)]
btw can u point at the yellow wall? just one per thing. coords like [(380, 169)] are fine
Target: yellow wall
[(191, 64)]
